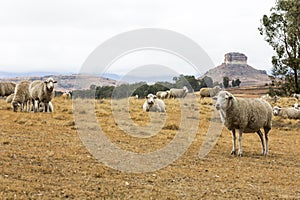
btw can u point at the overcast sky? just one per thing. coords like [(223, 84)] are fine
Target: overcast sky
[(59, 35)]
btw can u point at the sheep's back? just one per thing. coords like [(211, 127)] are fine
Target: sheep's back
[(250, 115)]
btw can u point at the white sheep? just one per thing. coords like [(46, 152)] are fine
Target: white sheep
[(7, 88), (163, 94), (290, 113), (178, 93), (209, 92), (246, 115), (66, 95), (21, 96), (42, 91), (154, 104)]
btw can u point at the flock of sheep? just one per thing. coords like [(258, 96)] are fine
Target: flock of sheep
[(247, 115), (38, 93)]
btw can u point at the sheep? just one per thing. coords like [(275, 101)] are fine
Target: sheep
[(290, 113), (9, 98), (7, 88), (178, 93), (154, 104), (209, 92), (42, 91), (268, 98), (246, 115), (163, 94), (21, 96), (66, 95)]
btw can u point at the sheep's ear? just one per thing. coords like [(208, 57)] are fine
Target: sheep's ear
[(54, 81), (45, 81)]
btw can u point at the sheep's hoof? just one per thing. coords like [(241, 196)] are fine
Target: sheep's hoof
[(240, 154), (233, 152)]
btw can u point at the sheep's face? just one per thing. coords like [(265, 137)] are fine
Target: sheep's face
[(15, 106), (276, 110), (223, 100), (150, 99), (50, 84)]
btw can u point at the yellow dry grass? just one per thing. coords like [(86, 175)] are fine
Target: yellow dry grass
[(42, 156)]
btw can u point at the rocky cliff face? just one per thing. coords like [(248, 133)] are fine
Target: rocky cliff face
[(235, 67)]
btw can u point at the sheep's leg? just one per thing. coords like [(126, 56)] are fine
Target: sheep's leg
[(233, 142), (240, 153), (267, 141), (260, 134)]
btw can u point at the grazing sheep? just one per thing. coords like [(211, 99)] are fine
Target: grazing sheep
[(10, 98), (21, 96), (7, 88), (42, 91), (163, 94), (246, 115), (209, 92), (178, 93), (297, 96), (290, 113), (154, 104)]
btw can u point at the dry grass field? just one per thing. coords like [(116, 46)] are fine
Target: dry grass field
[(43, 157)]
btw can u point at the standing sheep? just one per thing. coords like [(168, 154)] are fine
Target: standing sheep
[(246, 115), (42, 91), (163, 94), (178, 93), (7, 88), (21, 96), (154, 104), (209, 92), (291, 113)]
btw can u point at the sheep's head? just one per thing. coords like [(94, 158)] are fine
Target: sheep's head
[(50, 84), (223, 100), (276, 110), (15, 105), (150, 99)]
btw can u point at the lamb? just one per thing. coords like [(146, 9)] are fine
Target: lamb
[(163, 94), (246, 115), (7, 88), (154, 104), (178, 93), (209, 92), (290, 113), (42, 91), (21, 96), (66, 95), (10, 98)]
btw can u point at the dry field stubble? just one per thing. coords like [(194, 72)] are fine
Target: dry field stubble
[(42, 157)]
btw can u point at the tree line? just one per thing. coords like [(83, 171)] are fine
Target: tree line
[(142, 89)]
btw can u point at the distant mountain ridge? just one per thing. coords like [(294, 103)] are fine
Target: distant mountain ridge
[(235, 67), (64, 82)]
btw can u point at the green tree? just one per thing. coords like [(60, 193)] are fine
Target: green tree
[(282, 31), (225, 82)]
